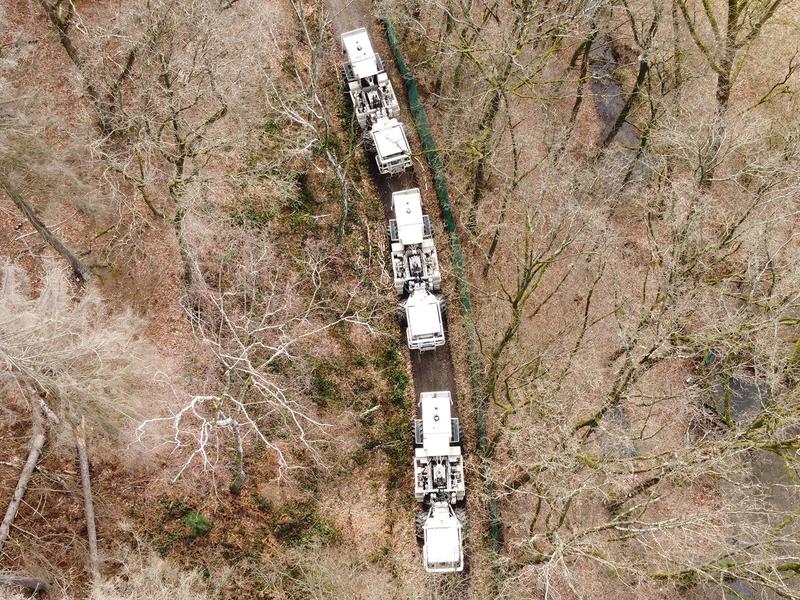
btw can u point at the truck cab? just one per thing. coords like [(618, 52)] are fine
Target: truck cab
[(424, 320), (387, 138), (414, 255), (438, 464), (368, 85)]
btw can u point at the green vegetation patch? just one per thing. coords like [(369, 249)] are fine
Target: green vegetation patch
[(326, 388), (197, 523), (178, 521), (396, 376), (263, 503), (250, 213), (300, 523)]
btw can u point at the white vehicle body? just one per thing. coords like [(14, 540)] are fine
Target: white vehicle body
[(414, 255), (424, 321), (375, 103), (367, 82), (438, 464), (443, 549), (439, 482), (387, 138), (415, 266)]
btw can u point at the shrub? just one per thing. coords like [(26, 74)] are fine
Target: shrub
[(198, 524)]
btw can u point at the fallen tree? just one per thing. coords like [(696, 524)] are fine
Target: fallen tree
[(37, 442)]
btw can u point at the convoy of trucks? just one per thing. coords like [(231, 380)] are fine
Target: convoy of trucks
[(438, 463)]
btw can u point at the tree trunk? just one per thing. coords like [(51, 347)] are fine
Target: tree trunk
[(88, 504), (62, 23), (34, 584), (62, 26), (25, 476), (484, 141), (723, 93), (626, 108), (79, 269), (438, 85), (486, 125)]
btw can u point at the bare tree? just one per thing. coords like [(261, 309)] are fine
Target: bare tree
[(744, 22), (147, 576), (82, 366), (724, 51), (104, 90), (265, 320), (24, 158)]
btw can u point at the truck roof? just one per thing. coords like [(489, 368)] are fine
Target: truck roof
[(436, 425), (408, 214), (444, 547), (442, 541), (424, 314), (359, 52), (390, 138)]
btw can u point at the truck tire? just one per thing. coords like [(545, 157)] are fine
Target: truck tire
[(461, 515), (369, 144), (419, 522)]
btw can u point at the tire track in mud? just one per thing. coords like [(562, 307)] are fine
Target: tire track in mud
[(432, 370)]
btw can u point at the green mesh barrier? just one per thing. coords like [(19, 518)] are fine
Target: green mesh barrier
[(438, 172)]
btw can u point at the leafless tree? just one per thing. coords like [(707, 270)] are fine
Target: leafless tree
[(724, 51), (265, 319)]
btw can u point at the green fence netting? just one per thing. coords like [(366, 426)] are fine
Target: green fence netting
[(440, 185)]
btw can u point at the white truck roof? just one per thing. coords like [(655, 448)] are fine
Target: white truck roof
[(436, 426), (359, 52), (443, 547), (443, 550), (424, 315), (407, 206), (390, 138)]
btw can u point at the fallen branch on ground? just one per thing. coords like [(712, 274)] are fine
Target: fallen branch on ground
[(25, 476), (34, 584), (80, 270), (88, 504)]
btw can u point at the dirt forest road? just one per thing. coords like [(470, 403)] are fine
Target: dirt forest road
[(431, 371)]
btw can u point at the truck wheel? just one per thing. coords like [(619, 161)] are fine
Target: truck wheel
[(401, 318), (419, 522), (461, 515)]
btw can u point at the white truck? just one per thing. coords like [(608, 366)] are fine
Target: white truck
[(439, 483), (415, 266), (375, 103)]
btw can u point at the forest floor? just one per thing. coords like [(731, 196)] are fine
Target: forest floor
[(349, 521)]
